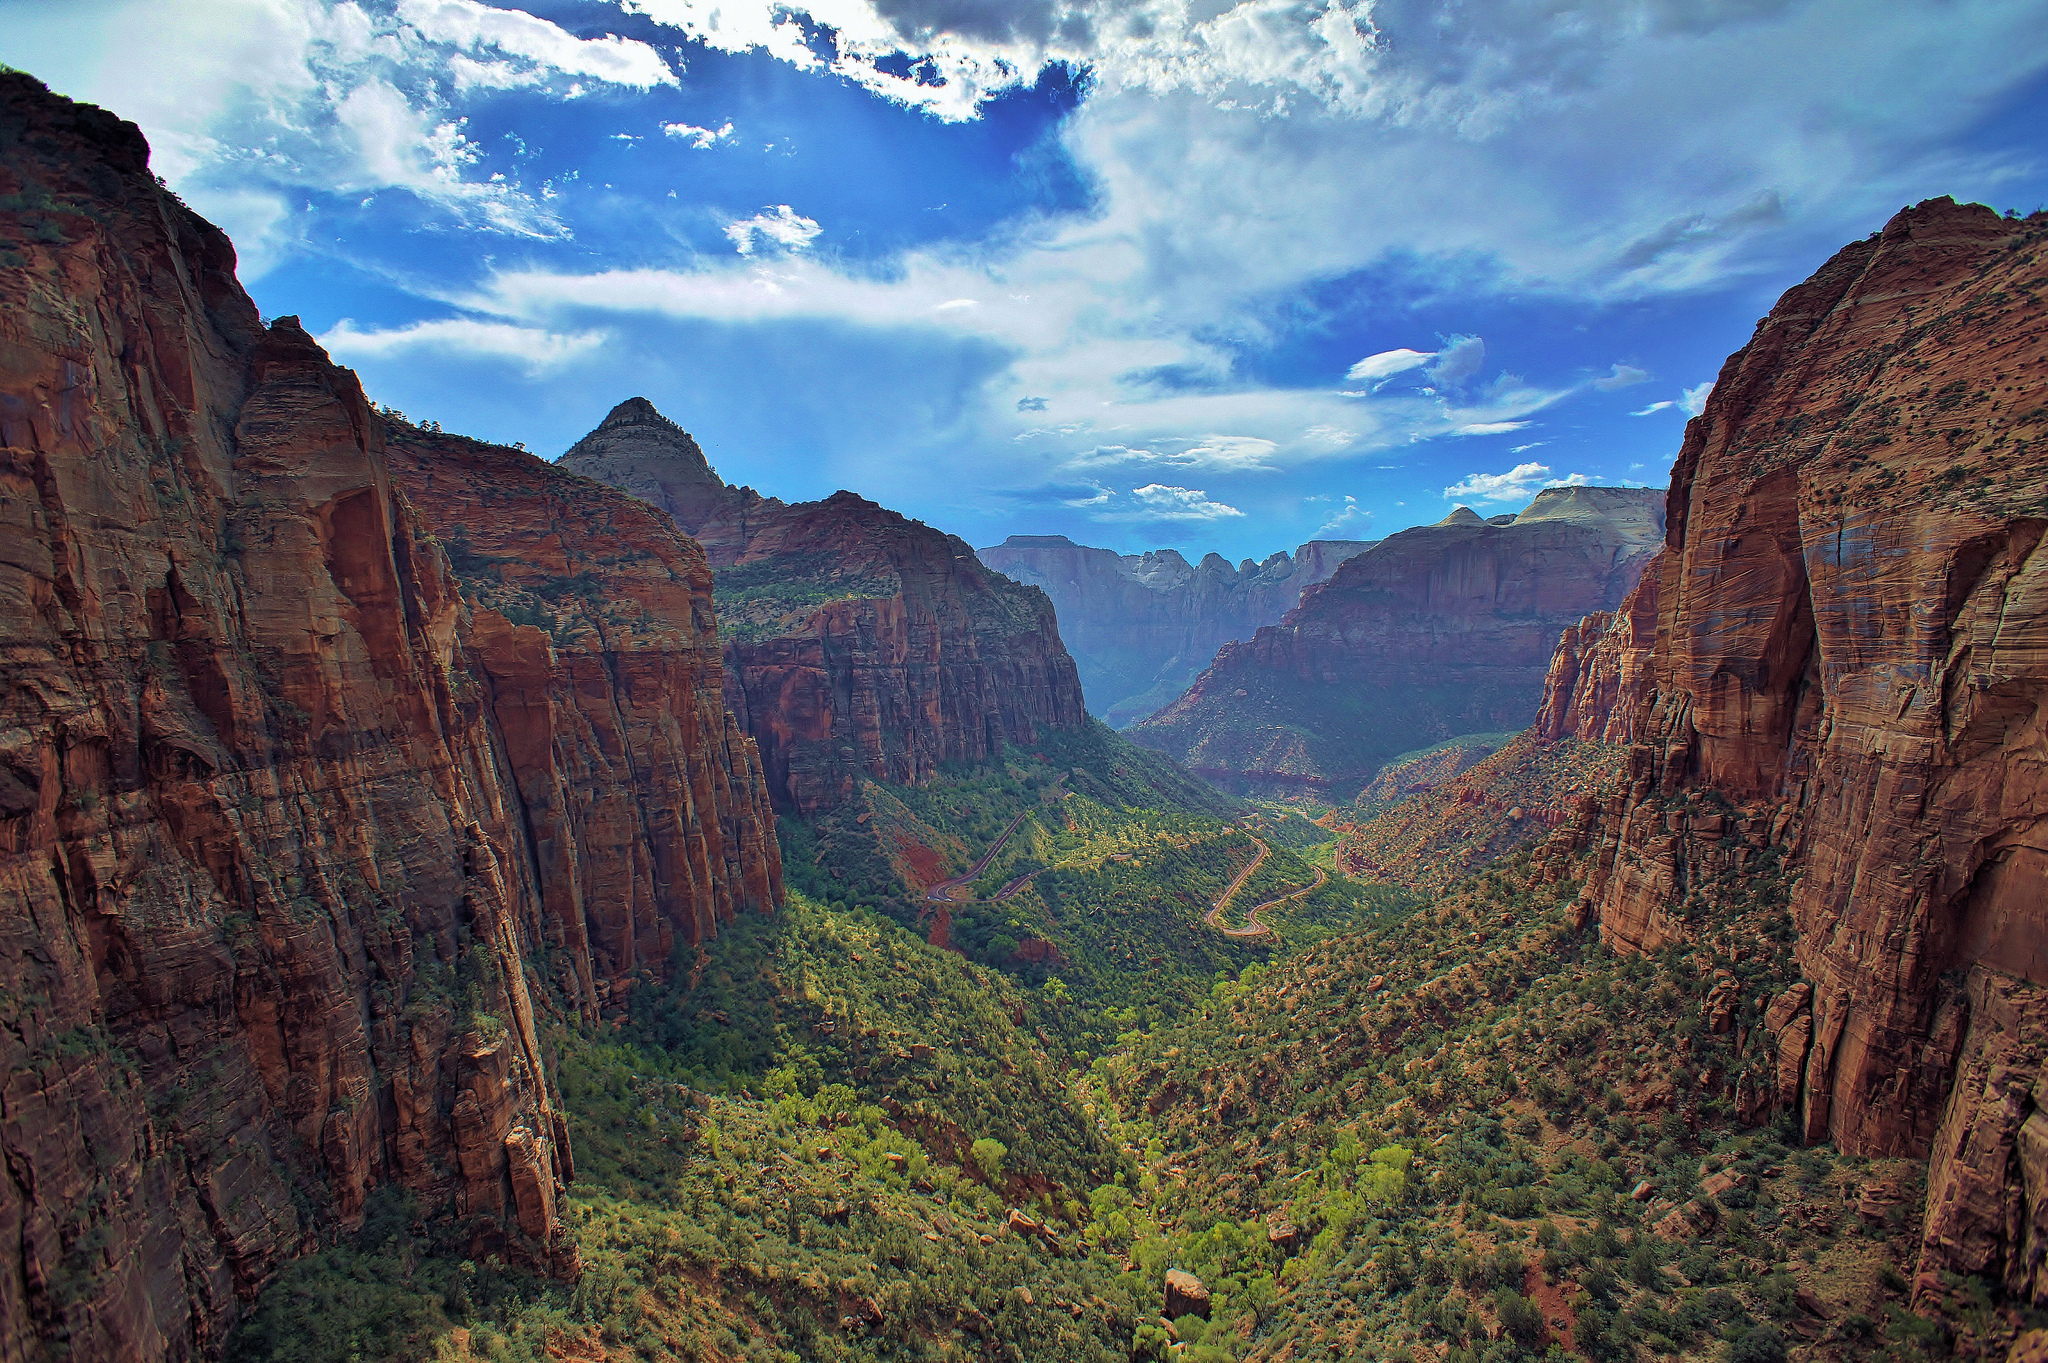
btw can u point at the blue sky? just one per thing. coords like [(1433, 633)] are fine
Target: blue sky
[(1145, 272)]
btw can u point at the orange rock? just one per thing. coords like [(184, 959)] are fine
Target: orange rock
[(917, 655), (286, 810), (1851, 637)]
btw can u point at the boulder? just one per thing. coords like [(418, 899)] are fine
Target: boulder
[(1185, 1295)]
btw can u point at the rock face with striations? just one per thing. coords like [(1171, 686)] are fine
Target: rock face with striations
[(1437, 631), (277, 852), (1141, 626), (1851, 650), (858, 643)]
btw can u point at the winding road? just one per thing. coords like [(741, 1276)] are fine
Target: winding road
[(1252, 926), (943, 891)]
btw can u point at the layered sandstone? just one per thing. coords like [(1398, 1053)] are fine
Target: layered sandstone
[(272, 888), (1141, 626), (1851, 651), (1437, 631), (858, 643)]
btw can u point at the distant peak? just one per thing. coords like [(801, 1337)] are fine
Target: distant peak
[(1038, 542), (635, 412), (1463, 515)]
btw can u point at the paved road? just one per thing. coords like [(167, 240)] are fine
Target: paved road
[(1253, 927), (943, 891)]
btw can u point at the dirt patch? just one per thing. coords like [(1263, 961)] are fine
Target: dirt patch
[(1552, 1300)]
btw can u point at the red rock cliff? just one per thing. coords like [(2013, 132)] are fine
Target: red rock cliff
[(1438, 631), (857, 642), (272, 872), (1851, 647)]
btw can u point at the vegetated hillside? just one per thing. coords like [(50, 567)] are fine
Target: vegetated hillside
[(839, 1143), (1477, 1132), (1437, 631), (1850, 656), (859, 644), (1432, 833), (286, 907), (1141, 626), (1097, 898)]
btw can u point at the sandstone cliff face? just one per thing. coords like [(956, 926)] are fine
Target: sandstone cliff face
[(1438, 631), (857, 642), (1141, 626), (1600, 673), (1851, 649), (270, 884)]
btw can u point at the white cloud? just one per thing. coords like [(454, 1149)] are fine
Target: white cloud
[(547, 48), (1624, 376), (1694, 400), (533, 347), (1458, 361), (1518, 483), (1212, 453), (1653, 407), (1165, 502), (1344, 520), (779, 226), (699, 138), (1388, 363)]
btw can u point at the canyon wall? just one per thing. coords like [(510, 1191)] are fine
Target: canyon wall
[(1142, 626), (858, 642), (1436, 632), (1850, 656), (287, 818)]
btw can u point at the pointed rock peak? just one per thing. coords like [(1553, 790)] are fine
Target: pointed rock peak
[(1464, 515), (635, 432), (635, 412)]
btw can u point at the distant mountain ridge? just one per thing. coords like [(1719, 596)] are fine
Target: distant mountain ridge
[(1141, 626), (1437, 631), (857, 642)]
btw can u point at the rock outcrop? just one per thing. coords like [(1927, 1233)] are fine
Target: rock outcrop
[(1437, 631), (858, 643), (273, 890), (1141, 626), (1851, 651)]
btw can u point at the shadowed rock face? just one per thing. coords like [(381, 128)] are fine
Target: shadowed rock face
[(1851, 647), (1141, 626), (286, 815), (857, 642), (1437, 631)]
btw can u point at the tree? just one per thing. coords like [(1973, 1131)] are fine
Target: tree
[(1760, 1345), (989, 1154)]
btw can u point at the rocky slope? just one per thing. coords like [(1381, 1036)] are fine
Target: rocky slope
[(1846, 669), (283, 895), (1438, 631), (1141, 626), (857, 642)]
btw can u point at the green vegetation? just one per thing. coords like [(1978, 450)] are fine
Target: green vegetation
[(761, 600)]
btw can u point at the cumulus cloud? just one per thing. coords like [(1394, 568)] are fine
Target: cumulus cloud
[(780, 226), (1213, 453), (1165, 502), (1693, 400), (533, 347), (699, 138), (1517, 484)]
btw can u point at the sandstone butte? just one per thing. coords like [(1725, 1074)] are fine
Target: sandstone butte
[(289, 809), (1845, 646), (1438, 631), (1141, 626), (858, 643)]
